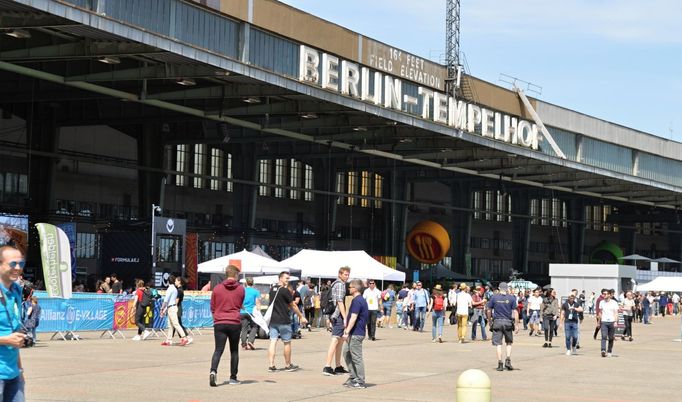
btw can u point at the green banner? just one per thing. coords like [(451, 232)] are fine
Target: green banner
[(56, 256)]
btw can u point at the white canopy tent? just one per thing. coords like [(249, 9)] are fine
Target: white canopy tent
[(662, 284), (252, 264), (326, 264), (268, 279)]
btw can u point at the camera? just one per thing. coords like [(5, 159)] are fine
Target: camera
[(28, 339)]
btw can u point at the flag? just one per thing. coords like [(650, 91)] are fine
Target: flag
[(56, 256)]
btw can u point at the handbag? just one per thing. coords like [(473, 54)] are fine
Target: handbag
[(268, 314)]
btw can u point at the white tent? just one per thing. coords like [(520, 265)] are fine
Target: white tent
[(267, 279), (251, 264), (326, 264), (662, 284)]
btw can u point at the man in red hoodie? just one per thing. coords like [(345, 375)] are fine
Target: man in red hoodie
[(226, 301)]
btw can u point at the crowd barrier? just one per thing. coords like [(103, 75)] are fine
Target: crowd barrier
[(113, 313)]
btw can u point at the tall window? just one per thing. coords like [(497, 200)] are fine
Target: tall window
[(545, 211), (341, 187), (556, 211), (217, 158), (308, 183), (477, 204), (489, 204), (534, 211), (378, 189), (180, 163), (501, 207), (229, 185), (352, 187), (264, 177), (364, 188), (294, 179), (199, 164), (86, 245), (280, 176)]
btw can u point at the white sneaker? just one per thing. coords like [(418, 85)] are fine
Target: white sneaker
[(608, 355), (568, 353), (574, 351), (190, 340), (146, 334), (136, 337)]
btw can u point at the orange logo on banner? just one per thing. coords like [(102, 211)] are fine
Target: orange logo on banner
[(428, 242)]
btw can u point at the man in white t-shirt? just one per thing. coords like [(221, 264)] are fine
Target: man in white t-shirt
[(608, 315), (533, 311), (463, 302), (372, 296), (676, 303)]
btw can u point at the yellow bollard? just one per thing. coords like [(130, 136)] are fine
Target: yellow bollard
[(473, 386)]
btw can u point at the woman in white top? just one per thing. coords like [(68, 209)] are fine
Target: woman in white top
[(628, 314)]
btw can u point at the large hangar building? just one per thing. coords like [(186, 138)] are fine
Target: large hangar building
[(253, 123)]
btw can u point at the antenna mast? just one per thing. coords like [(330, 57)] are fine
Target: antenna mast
[(452, 45)]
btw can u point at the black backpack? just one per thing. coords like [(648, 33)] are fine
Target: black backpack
[(146, 298), (330, 305)]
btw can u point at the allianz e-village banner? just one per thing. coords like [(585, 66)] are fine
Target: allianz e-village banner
[(55, 252)]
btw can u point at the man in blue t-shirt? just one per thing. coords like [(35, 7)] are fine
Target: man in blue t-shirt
[(505, 317), (354, 334), (249, 327), (421, 300), (11, 372)]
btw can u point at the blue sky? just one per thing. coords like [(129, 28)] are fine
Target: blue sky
[(618, 60)]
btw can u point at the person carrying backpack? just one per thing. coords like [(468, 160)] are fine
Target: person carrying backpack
[(437, 308), (141, 300)]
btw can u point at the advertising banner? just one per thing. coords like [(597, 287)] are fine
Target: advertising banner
[(124, 314), (56, 257), (76, 314), (70, 229)]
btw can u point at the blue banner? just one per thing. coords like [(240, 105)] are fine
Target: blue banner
[(76, 315), (196, 313), (70, 229)]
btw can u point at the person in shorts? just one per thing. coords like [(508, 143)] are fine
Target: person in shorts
[(504, 318), (280, 323), (338, 319), (533, 312)]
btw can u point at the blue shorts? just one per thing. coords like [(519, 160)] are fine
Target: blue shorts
[(338, 326), (387, 308), (282, 331)]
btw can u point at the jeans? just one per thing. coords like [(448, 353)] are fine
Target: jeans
[(221, 333), (571, 334), (548, 323), (437, 318), (12, 390), (295, 325), (608, 331), (645, 315), (352, 352), (420, 316), (139, 319), (524, 317), (249, 329), (372, 324), (478, 319)]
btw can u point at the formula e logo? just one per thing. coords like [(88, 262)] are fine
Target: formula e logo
[(70, 315), (170, 225)]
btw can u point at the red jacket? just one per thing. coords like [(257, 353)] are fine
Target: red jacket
[(226, 301)]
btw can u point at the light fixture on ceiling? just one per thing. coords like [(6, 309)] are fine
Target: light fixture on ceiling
[(360, 128), (109, 60), (251, 99), (188, 82), (405, 140), (309, 115), (18, 33)]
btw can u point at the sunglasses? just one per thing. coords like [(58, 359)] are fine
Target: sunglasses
[(13, 264)]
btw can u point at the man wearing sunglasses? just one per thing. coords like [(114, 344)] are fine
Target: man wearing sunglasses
[(11, 372)]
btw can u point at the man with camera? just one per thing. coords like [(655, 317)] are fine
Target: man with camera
[(504, 318), (11, 337)]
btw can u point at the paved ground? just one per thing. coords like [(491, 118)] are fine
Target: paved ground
[(401, 366)]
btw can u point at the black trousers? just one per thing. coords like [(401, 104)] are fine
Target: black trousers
[(249, 329), (628, 326), (139, 318), (372, 324), (221, 334), (549, 325)]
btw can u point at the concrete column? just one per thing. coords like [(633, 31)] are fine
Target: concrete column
[(576, 230), (324, 179), (460, 236), (520, 230), (149, 153), (396, 216), (244, 202)]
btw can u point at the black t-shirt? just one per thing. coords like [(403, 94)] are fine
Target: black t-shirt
[(280, 310), (116, 287), (181, 295), (570, 316)]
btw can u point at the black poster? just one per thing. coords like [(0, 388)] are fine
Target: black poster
[(127, 254)]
